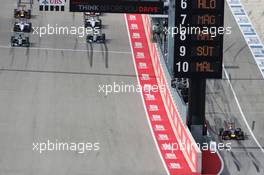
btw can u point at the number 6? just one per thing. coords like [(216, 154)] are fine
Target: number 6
[(183, 4)]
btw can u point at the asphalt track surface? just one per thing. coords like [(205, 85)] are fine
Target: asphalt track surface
[(50, 91), (245, 157)]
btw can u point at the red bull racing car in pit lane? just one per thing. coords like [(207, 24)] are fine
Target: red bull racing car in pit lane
[(231, 133)]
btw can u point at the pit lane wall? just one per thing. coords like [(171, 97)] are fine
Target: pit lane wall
[(192, 153)]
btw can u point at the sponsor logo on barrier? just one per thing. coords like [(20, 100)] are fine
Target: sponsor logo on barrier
[(118, 6), (252, 40), (52, 5), (234, 2), (247, 30), (237, 10), (258, 51), (261, 63), (242, 19)]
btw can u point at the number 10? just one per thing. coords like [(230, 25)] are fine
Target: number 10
[(182, 66)]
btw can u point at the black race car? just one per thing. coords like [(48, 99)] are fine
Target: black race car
[(92, 22), (22, 12), (23, 26), (95, 38), (20, 40), (231, 133)]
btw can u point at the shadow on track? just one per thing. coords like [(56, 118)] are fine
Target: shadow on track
[(89, 48), (105, 55)]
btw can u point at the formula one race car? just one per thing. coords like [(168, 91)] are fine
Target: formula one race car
[(22, 12), (20, 40), (23, 26), (231, 133), (92, 22), (95, 38)]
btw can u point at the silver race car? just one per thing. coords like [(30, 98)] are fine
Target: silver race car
[(23, 26), (96, 38), (20, 40), (92, 22)]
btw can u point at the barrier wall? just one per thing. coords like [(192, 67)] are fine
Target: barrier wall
[(192, 153)]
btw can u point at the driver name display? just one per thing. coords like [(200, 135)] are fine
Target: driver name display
[(200, 54)]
